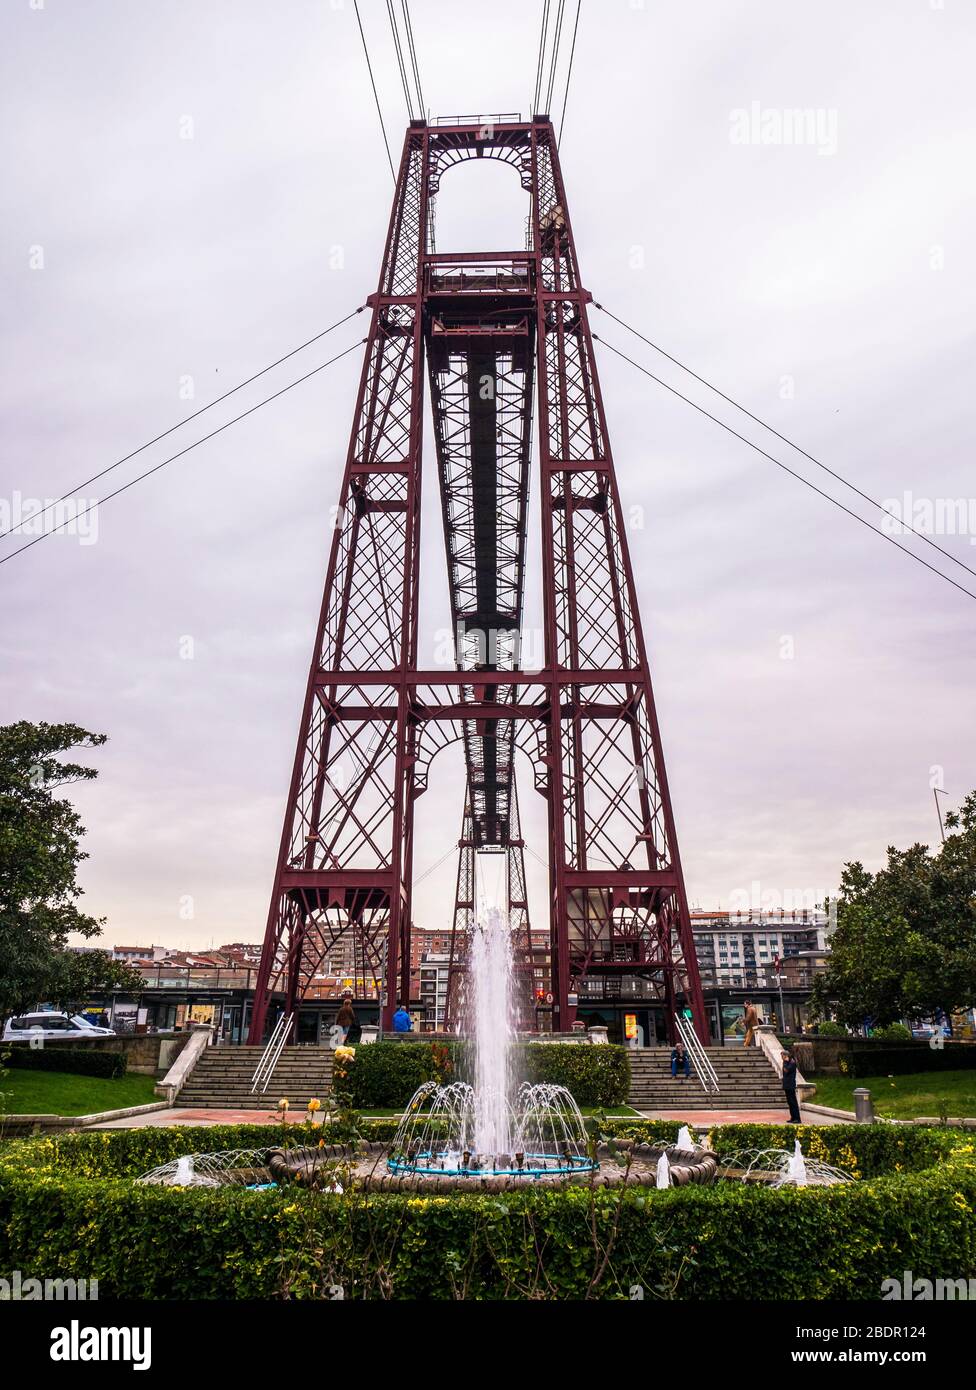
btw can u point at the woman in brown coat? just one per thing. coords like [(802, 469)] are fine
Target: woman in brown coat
[(345, 1018)]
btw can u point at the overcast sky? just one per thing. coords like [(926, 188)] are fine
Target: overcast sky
[(192, 187)]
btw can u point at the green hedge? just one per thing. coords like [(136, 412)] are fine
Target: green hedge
[(68, 1208), (902, 1059), (593, 1074), (78, 1060), (893, 1033), (386, 1074), (880, 1057)]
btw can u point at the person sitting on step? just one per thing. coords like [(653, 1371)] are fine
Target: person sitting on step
[(680, 1061)]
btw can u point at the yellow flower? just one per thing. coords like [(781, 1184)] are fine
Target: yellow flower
[(283, 1103), (314, 1105)]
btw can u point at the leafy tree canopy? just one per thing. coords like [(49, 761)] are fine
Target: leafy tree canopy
[(77, 975), (905, 940), (40, 834)]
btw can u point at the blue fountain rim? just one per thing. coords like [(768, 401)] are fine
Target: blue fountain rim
[(535, 1166)]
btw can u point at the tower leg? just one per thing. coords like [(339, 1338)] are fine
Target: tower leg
[(343, 870)]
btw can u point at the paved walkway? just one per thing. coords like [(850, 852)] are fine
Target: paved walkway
[(161, 1118), (698, 1118)]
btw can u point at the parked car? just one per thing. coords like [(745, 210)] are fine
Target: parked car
[(47, 1024)]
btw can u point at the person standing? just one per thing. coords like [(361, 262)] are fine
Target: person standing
[(345, 1018), (750, 1021), (789, 1086)]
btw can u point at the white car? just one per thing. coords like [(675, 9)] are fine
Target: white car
[(47, 1024)]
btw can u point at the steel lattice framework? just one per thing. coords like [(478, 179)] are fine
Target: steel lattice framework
[(498, 332)]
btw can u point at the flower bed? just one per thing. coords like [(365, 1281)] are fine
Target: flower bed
[(69, 1207)]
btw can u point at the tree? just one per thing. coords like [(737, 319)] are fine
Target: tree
[(905, 940), (79, 974), (39, 857)]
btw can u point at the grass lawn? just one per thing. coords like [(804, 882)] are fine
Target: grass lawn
[(904, 1097), (63, 1093)]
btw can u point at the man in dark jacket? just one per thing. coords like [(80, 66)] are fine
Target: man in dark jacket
[(680, 1061), (789, 1086)]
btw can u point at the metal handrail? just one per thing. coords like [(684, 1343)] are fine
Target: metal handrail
[(272, 1052), (706, 1073), (495, 118)]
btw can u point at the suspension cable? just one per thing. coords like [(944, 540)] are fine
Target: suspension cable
[(786, 469), (541, 59), (399, 53), (376, 98), (100, 502), (196, 414), (413, 59), (557, 38), (569, 73), (865, 497)]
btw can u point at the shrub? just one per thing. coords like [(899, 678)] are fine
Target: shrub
[(386, 1074), (880, 1056), (593, 1074), (78, 1060), (892, 1032), (68, 1208), (829, 1029), (872, 1058)]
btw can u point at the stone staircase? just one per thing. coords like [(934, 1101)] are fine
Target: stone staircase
[(746, 1081), (221, 1079)]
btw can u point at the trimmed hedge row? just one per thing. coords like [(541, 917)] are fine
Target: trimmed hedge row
[(867, 1057), (903, 1059), (386, 1074), (593, 1075), (77, 1060), (68, 1208)]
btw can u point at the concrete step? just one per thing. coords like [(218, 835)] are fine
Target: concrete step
[(222, 1079), (746, 1081)]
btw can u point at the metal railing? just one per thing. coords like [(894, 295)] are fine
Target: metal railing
[(704, 1070), (495, 118), (264, 1070)]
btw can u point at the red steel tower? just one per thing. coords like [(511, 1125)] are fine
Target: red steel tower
[(495, 329)]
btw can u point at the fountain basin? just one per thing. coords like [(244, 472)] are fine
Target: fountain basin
[(368, 1168)]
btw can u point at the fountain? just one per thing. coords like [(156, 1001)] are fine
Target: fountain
[(230, 1167), (490, 971), (491, 1128), (796, 1168), (495, 1134), (663, 1178), (490, 1133), (781, 1168), (455, 1131)]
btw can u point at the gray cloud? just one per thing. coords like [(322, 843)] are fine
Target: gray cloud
[(167, 258)]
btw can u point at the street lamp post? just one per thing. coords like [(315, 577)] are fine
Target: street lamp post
[(779, 980)]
